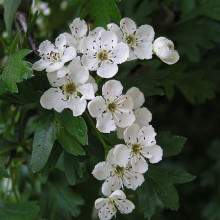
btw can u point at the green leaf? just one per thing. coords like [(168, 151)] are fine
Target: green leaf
[(53, 158), (15, 42), (69, 143), (162, 182), (10, 8), (3, 171), (67, 200), (103, 11), (44, 139), (16, 70), (76, 126), (72, 168), (147, 199), (171, 144), (21, 211)]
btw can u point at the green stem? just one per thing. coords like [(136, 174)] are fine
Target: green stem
[(98, 134), (3, 43), (13, 185)]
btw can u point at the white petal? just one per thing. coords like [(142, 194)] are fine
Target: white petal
[(132, 55), (69, 54), (89, 45), (124, 102), (146, 136), (120, 133), (60, 43), (40, 65), (70, 40), (107, 70), (121, 155), (77, 72), (96, 31), (128, 26), (155, 151), (90, 62), (62, 72), (111, 184), (124, 119), (54, 66), (78, 27), (100, 202), (112, 89), (120, 53), (93, 82), (173, 58), (110, 157), (118, 194), (131, 133), (45, 48), (87, 91), (145, 33), (107, 212), (102, 171), (143, 116), (125, 206), (53, 98), (116, 29), (132, 179), (107, 40), (139, 164), (78, 106), (144, 50), (137, 96), (56, 81), (105, 124), (97, 106)]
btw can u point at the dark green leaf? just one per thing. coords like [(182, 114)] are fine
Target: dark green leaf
[(10, 8), (21, 211), (72, 168), (3, 171), (76, 126), (171, 144), (69, 143), (16, 70), (44, 139), (103, 11)]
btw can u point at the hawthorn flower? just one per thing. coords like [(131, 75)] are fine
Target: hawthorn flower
[(142, 114), (71, 91), (40, 6), (164, 49), (103, 53), (108, 206), (54, 56), (139, 39), (142, 145), (78, 30), (116, 176), (112, 108)]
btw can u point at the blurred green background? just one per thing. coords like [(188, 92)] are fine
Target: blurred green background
[(183, 98)]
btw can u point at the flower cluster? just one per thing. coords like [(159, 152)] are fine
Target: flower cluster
[(68, 63)]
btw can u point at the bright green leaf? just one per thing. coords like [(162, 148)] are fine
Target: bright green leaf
[(171, 144), (10, 8), (16, 70), (44, 139), (21, 211)]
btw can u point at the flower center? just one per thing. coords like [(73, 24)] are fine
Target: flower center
[(112, 107), (170, 46), (55, 56), (131, 40), (119, 170), (136, 148), (69, 89), (103, 55)]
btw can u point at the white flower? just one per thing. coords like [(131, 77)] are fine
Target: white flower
[(112, 108), (70, 91), (142, 144), (79, 30), (164, 49), (43, 7), (54, 56), (117, 175), (142, 114), (103, 53), (139, 39), (107, 206)]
